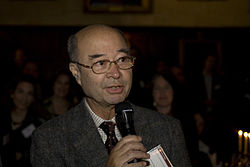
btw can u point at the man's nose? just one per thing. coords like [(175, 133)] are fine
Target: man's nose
[(113, 71)]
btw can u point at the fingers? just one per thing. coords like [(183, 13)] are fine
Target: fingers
[(129, 138), (130, 142), (131, 155), (132, 150), (128, 145), (128, 149), (139, 164)]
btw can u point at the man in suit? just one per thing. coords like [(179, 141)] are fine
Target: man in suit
[(101, 64)]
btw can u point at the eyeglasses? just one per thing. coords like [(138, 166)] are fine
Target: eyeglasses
[(103, 66)]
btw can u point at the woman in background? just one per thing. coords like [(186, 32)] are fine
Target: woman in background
[(166, 102), (60, 99), (18, 121), (163, 93)]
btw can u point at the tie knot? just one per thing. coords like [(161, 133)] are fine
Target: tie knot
[(107, 127)]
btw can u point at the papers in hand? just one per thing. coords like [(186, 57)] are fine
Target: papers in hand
[(158, 158)]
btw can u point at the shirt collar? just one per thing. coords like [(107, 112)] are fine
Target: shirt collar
[(97, 120)]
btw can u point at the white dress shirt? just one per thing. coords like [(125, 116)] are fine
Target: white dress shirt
[(98, 121)]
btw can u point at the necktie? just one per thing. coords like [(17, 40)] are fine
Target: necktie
[(109, 129)]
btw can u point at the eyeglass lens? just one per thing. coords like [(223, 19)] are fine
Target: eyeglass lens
[(103, 65)]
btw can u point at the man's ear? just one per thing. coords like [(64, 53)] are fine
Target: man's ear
[(75, 72)]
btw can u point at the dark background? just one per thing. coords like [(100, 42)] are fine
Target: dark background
[(48, 46)]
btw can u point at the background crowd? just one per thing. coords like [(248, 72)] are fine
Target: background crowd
[(199, 100)]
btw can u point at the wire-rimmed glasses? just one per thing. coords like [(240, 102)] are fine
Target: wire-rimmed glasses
[(102, 66)]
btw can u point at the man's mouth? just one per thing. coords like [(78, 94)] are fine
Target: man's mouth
[(114, 89)]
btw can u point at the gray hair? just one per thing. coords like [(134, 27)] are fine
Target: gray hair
[(73, 48)]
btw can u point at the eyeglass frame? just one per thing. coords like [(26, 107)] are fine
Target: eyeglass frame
[(110, 62)]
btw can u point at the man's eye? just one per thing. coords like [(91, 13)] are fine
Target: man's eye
[(123, 59), (101, 62)]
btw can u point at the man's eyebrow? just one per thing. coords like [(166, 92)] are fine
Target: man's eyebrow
[(127, 51), (94, 56)]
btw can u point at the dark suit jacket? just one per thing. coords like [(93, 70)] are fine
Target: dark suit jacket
[(72, 140)]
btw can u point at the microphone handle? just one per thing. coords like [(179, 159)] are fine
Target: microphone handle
[(134, 161), (138, 160)]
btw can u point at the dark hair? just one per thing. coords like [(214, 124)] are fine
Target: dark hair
[(165, 75), (54, 78), (170, 79), (22, 78), (61, 72), (14, 84)]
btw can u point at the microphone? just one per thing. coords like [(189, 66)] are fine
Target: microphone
[(124, 115)]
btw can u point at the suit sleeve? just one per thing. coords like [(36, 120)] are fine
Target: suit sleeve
[(179, 150), (43, 153)]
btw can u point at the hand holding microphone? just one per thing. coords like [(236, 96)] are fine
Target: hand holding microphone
[(124, 115), (129, 150)]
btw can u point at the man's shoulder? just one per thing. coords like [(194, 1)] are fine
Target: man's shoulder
[(61, 122), (154, 116)]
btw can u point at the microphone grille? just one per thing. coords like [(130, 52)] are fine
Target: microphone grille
[(123, 106), (124, 118)]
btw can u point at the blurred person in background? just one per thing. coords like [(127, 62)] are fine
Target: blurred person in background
[(163, 93), (31, 67), (208, 88), (15, 62), (208, 91), (166, 102), (18, 121), (60, 98), (207, 148), (182, 87)]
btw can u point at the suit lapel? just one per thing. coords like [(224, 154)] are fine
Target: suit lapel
[(142, 130), (86, 139)]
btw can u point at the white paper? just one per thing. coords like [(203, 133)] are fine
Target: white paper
[(158, 158)]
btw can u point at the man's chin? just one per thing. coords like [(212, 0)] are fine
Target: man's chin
[(115, 100)]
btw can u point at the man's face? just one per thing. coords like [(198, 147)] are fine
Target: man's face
[(112, 86)]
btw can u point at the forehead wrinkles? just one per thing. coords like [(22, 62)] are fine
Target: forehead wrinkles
[(98, 38)]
